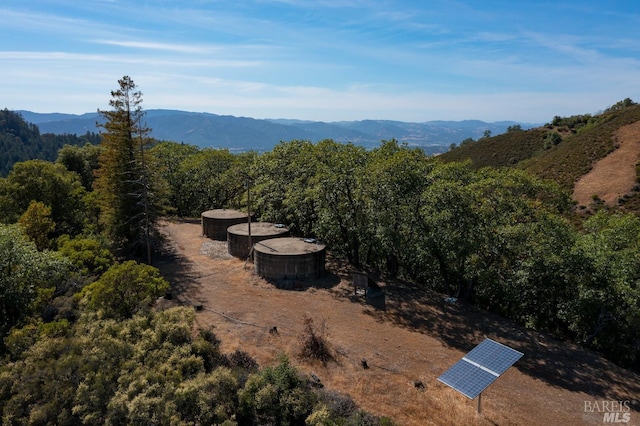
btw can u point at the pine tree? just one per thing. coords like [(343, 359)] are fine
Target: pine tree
[(129, 206)]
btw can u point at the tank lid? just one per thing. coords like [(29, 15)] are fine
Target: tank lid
[(287, 246), (224, 214), (257, 228)]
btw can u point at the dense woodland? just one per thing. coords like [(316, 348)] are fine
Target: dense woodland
[(21, 141), (81, 343)]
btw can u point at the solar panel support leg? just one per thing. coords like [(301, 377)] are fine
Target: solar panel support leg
[(479, 402)]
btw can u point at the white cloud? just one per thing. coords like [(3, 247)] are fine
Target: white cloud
[(171, 47)]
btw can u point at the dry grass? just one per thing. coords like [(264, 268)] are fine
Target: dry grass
[(576, 155), (411, 335), (615, 175), (599, 159)]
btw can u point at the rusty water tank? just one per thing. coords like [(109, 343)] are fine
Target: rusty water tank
[(216, 222), (238, 236), (289, 258)]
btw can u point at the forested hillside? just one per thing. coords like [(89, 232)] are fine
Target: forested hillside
[(81, 340), (505, 150), (563, 150), (21, 141)]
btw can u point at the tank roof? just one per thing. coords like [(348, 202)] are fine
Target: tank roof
[(288, 246), (258, 229), (223, 214)]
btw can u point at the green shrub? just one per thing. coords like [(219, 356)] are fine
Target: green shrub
[(87, 254), (276, 395), (125, 289)]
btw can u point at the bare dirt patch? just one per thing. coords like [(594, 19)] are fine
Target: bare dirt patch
[(407, 336), (614, 175)]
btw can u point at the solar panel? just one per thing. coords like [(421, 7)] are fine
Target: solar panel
[(479, 368), (494, 356)]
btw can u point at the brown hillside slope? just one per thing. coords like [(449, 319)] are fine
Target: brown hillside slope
[(615, 175), (599, 156), (576, 155)]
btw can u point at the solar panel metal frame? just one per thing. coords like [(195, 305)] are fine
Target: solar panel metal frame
[(480, 367)]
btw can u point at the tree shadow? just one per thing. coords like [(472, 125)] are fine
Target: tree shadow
[(365, 285), (459, 326), (327, 281), (179, 271)]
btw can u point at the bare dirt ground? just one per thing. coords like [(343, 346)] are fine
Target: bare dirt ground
[(615, 175), (406, 336)]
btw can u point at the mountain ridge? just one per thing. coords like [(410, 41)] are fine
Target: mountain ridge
[(244, 133)]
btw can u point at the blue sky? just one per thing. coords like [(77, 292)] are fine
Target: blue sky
[(325, 60)]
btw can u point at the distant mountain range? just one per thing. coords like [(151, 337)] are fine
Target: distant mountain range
[(242, 133)]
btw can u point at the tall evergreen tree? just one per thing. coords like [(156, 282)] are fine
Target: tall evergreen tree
[(129, 206)]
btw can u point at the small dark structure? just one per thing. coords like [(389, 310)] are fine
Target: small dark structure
[(360, 283), (216, 222), (238, 236), (366, 283), (289, 258)]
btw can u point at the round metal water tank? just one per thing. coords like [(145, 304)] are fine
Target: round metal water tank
[(289, 258), (216, 222), (238, 236)]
